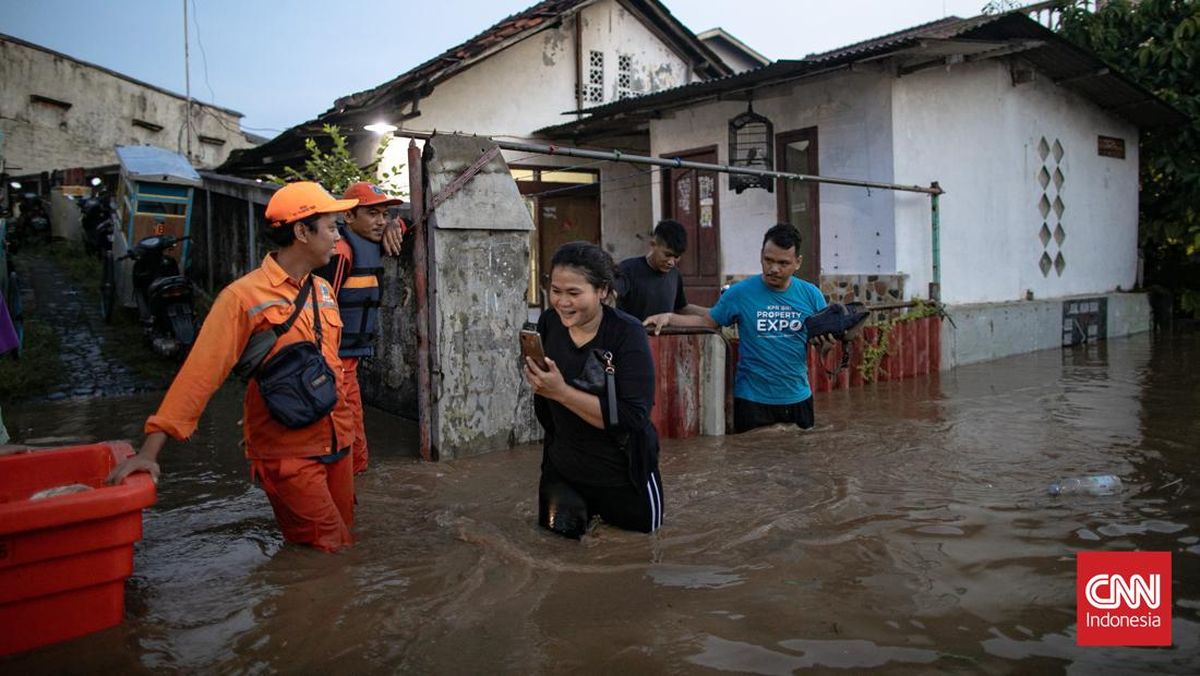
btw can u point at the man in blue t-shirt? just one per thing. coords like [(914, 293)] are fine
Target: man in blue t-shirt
[(771, 385)]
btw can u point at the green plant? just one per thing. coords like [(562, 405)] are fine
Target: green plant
[(875, 351), (1157, 43), (38, 370), (336, 169)]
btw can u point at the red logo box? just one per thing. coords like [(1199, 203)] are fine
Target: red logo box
[(1123, 598)]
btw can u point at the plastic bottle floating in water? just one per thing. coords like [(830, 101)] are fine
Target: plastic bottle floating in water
[(1101, 484)]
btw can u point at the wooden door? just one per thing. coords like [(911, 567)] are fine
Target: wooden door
[(562, 219), (799, 203), (690, 197)]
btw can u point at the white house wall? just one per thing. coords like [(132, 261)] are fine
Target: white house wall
[(978, 135), (852, 114), (614, 31), (531, 85)]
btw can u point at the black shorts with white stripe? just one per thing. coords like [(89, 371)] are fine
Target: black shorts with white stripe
[(566, 507)]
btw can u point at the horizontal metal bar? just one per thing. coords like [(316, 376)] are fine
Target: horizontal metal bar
[(676, 163)]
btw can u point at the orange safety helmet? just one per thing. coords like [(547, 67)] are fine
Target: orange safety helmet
[(299, 200), (369, 194)]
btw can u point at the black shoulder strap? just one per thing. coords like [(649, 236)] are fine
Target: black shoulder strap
[(283, 328), (316, 316)]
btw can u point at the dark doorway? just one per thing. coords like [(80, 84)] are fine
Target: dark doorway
[(799, 203), (690, 197), (565, 206)]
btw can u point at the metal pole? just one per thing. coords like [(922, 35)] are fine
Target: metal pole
[(676, 163), (416, 192), (935, 287), (431, 312), (208, 238), (187, 80), (251, 242)]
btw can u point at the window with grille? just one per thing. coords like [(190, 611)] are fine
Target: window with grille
[(594, 90), (624, 76)]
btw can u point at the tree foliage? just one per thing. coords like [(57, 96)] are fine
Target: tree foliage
[(1157, 43), (335, 169)]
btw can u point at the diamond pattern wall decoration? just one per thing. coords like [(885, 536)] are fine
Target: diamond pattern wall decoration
[(1051, 209)]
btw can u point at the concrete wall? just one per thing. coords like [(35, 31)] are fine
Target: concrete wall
[(852, 114), (43, 137), (480, 247), (986, 331), (389, 379), (976, 133)]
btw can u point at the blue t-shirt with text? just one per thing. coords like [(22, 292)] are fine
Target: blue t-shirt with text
[(772, 342)]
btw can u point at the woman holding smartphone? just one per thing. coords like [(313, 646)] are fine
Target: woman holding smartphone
[(600, 452)]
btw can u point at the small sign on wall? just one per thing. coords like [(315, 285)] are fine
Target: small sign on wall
[(1111, 146)]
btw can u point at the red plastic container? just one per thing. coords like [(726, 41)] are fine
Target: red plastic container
[(64, 559)]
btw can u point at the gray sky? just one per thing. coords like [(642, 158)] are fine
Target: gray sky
[(282, 62)]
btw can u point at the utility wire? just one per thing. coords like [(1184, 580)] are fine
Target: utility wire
[(203, 54)]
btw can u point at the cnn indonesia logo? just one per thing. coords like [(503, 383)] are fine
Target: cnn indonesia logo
[(1123, 598)]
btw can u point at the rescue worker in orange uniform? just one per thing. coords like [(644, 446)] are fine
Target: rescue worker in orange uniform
[(305, 471), (354, 272)]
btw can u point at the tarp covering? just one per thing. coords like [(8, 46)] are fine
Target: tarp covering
[(156, 165)]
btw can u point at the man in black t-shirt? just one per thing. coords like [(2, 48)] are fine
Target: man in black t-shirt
[(651, 284)]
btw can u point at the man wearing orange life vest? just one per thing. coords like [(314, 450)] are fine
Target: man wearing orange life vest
[(354, 272), (305, 471)]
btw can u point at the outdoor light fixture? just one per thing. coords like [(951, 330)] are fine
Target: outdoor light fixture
[(96, 181), (15, 185), (381, 127)]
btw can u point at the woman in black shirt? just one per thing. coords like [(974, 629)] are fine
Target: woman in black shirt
[(597, 459)]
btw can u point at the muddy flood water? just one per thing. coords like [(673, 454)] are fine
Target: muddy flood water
[(910, 532)]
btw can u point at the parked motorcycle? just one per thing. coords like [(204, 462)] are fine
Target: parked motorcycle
[(33, 223), (97, 219), (164, 297)]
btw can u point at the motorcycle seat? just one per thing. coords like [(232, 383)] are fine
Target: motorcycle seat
[(167, 283)]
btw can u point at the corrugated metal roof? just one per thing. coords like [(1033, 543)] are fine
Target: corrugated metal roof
[(156, 165), (941, 28), (1067, 64)]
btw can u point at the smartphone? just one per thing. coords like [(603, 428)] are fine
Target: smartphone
[(531, 346)]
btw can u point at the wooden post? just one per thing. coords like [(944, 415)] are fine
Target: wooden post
[(416, 192)]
